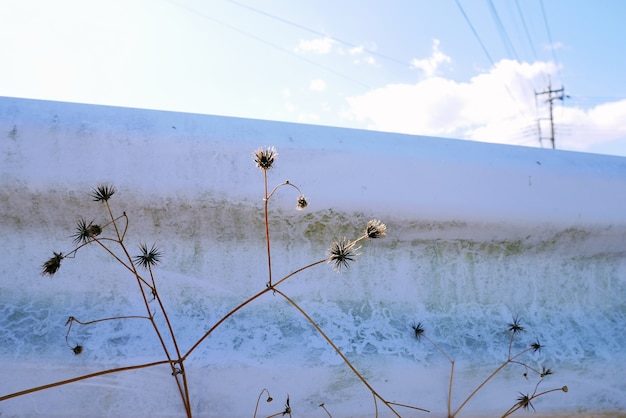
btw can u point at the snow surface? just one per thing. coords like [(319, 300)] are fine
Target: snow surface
[(478, 233)]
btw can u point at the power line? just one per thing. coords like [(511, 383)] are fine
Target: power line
[(530, 41), (508, 45), (259, 39), (545, 21), (313, 31), (480, 41)]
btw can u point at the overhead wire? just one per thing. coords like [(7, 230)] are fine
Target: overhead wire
[(480, 41), (318, 33), (266, 42), (506, 40), (552, 45), (482, 44), (508, 45), (528, 37)]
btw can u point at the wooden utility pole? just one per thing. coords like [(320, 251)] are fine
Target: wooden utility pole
[(552, 96)]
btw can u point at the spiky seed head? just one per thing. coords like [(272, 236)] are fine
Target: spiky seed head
[(148, 257), (376, 229), (264, 158), (301, 203), (418, 330), (102, 193), (52, 265), (341, 253), (545, 371), (86, 232), (515, 326), (524, 402), (536, 346)]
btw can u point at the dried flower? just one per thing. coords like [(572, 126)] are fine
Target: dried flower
[(148, 258), (287, 407), (264, 158), (52, 265), (86, 232), (302, 203), (418, 329), (341, 253), (536, 346), (78, 349), (564, 389), (545, 371), (515, 326), (102, 193), (376, 229), (524, 402)]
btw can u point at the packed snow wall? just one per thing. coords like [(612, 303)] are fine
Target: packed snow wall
[(478, 234)]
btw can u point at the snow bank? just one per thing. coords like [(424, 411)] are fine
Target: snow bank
[(478, 233)]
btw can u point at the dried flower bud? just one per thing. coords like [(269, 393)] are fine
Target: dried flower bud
[(78, 349), (264, 158), (376, 229), (52, 265), (102, 193), (515, 326), (341, 253), (564, 389), (302, 203), (418, 330), (545, 371), (536, 346), (148, 258), (86, 232)]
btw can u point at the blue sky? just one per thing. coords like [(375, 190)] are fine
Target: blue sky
[(452, 68)]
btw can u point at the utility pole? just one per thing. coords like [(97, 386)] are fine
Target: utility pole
[(552, 96)]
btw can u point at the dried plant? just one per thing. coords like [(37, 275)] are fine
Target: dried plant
[(523, 402), (110, 236), (341, 253)]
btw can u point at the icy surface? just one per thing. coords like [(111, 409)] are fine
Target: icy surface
[(478, 234)]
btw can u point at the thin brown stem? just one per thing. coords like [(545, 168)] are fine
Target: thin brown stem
[(269, 399), (337, 350), (491, 376), (409, 406), (184, 392), (267, 230), (246, 302), (130, 267), (173, 337), (519, 405), (323, 406), (79, 378), (450, 387)]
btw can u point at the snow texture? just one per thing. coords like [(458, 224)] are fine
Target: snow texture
[(477, 234)]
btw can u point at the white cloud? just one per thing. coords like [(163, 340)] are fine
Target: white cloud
[(318, 46), (370, 60), (554, 46), (496, 106), (356, 50), (438, 106), (430, 65), (317, 85), (580, 129)]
